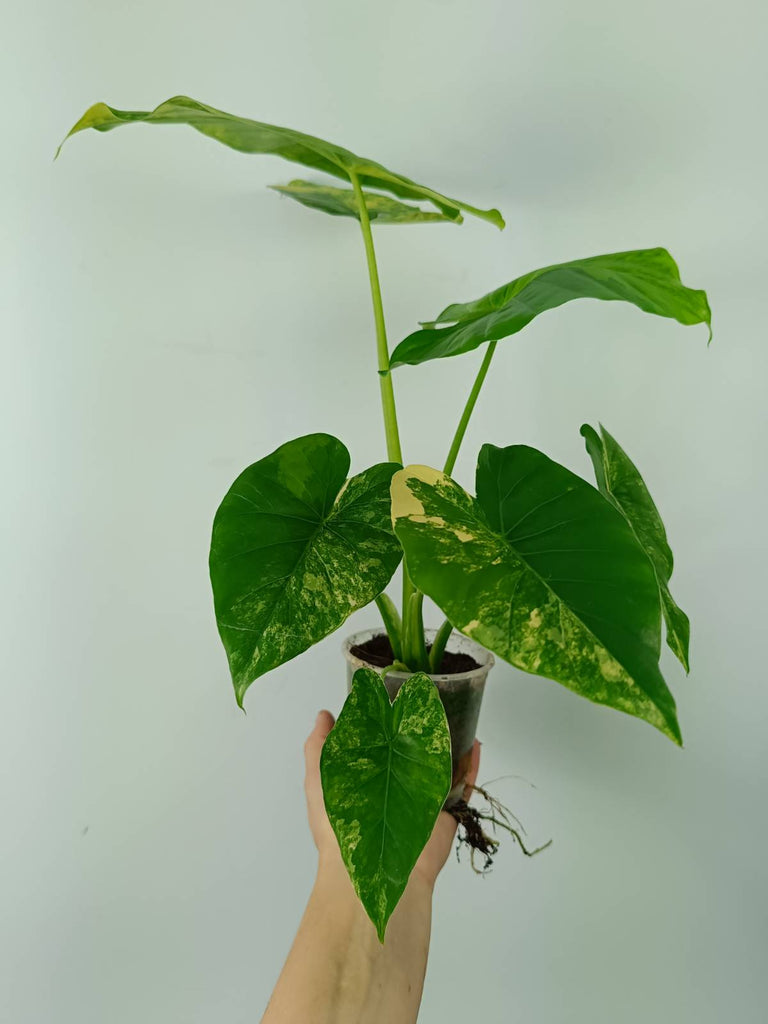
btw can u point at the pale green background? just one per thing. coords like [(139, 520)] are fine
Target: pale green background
[(167, 321)]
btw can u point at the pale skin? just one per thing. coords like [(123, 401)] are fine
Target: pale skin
[(337, 970)]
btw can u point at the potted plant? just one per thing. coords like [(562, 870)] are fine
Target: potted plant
[(538, 567)]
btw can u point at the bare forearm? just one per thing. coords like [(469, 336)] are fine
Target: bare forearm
[(338, 971)]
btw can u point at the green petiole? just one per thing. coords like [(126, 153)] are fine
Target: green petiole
[(392, 624), (438, 646), (461, 429)]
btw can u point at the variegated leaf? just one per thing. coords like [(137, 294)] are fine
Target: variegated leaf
[(249, 136), (619, 480), (342, 202), (386, 771), (542, 570), (647, 278), (295, 550)]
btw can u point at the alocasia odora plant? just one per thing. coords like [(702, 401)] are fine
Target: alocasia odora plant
[(555, 576)]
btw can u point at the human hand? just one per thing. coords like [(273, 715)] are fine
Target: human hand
[(337, 969), (434, 854)]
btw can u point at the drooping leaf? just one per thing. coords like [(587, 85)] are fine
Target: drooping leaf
[(249, 136), (619, 480), (386, 771), (342, 202), (543, 571), (647, 278), (295, 550)]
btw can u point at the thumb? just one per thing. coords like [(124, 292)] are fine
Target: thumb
[(471, 777), (314, 744)]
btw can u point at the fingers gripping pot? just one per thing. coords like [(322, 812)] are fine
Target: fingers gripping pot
[(460, 692)]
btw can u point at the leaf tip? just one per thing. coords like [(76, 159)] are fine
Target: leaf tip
[(672, 730), (72, 130)]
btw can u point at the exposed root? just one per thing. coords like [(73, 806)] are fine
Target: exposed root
[(471, 833)]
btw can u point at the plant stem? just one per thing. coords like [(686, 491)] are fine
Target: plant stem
[(407, 645), (417, 632), (392, 624), (396, 666), (438, 647), (414, 644), (461, 430), (408, 591), (394, 453)]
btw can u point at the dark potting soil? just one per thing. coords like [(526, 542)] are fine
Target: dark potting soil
[(378, 651)]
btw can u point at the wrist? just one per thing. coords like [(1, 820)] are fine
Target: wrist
[(332, 874), (332, 880)]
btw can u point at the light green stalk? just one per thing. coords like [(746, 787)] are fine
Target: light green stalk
[(450, 462), (394, 453), (438, 646), (392, 624), (461, 430)]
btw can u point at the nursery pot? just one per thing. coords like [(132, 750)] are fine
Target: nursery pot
[(460, 692)]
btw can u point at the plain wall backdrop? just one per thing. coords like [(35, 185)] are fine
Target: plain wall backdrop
[(167, 320)]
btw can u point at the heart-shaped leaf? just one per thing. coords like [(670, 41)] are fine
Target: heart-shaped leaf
[(249, 136), (619, 480), (542, 570), (648, 278), (386, 771), (295, 551), (342, 202)]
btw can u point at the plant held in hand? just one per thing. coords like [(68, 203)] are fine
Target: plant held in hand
[(553, 575)]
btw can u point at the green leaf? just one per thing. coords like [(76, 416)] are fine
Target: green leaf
[(386, 771), (619, 480), (342, 202), (249, 136), (648, 278), (542, 570), (295, 550)]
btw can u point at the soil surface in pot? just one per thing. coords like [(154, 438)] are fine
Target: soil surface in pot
[(378, 651)]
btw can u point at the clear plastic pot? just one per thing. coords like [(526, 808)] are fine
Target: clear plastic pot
[(461, 694)]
